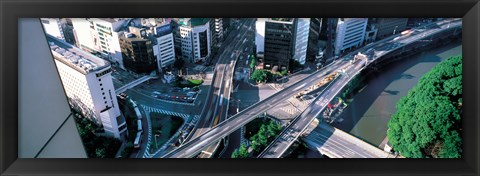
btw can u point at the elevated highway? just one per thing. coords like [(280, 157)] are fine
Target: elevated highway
[(375, 51), (290, 134)]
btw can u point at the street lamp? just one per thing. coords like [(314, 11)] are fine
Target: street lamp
[(394, 30), (156, 144)]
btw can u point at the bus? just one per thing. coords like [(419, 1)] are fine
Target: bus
[(221, 99), (138, 140), (139, 125), (137, 112)]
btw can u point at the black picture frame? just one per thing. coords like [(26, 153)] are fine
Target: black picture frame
[(11, 11)]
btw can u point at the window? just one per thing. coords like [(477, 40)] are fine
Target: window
[(105, 102), (99, 79), (101, 89), (100, 84), (103, 93), (104, 98)]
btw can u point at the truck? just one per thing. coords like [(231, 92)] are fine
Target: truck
[(138, 140), (406, 32)]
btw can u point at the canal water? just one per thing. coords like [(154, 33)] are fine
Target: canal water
[(368, 114)]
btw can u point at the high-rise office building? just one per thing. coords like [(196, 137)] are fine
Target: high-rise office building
[(278, 40), (195, 39), (301, 36), (260, 36), (137, 50), (274, 39), (313, 38), (100, 36), (350, 33), (88, 85), (389, 26), (164, 48)]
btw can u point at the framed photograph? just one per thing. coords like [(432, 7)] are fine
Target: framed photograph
[(265, 87)]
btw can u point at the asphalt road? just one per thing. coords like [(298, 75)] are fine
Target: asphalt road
[(229, 55), (242, 118), (216, 104)]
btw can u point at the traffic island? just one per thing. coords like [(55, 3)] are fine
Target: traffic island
[(163, 128)]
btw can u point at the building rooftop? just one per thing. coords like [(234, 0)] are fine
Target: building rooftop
[(76, 58), (284, 20), (111, 20), (193, 21)]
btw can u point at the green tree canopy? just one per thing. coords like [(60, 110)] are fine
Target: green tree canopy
[(241, 152), (253, 62), (427, 121), (260, 75)]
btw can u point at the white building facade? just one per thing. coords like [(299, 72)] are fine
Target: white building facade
[(88, 85), (195, 40), (53, 27), (219, 31), (302, 29), (350, 33), (101, 35), (164, 50), (260, 35)]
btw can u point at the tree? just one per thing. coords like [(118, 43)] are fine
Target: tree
[(100, 153), (262, 136), (253, 62), (428, 118), (259, 75), (235, 153), (271, 129), (255, 143), (243, 151)]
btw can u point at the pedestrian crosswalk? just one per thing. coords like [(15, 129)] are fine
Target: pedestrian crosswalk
[(177, 102), (186, 117), (289, 109), (162, 111)]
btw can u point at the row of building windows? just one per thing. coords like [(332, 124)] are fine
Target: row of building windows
[(166, 42), (355, 24), (76, 88), (350, 44), (354, 32), (103, 73)]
